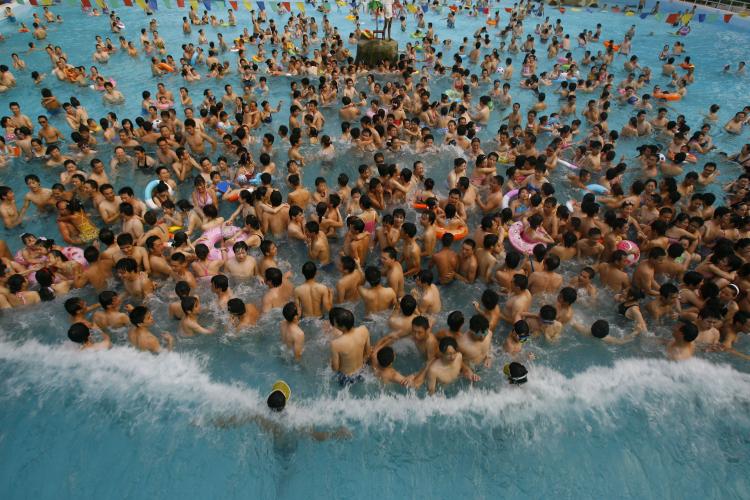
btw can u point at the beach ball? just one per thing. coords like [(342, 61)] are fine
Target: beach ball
[(630, 248)]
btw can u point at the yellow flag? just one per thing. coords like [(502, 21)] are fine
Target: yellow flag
[(686, 18), (194, 5), (301, 6), (101, 4), (411, 8), (248, 5), (142, 4)]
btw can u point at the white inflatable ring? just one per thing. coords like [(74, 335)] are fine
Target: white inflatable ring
[(150, 189), (508, 198), (214, 236), (514, 236)]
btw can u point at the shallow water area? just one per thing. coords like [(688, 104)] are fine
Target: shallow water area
[(594, 421)]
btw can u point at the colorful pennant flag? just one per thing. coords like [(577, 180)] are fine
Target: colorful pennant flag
[(152, 5), (701, 18), (508, 9), (672, 18), (712, 18), (425, 7), (274, 7), (727, 17), (33, 2), (249, 6), (128, 3), (167, 3), (207, 4), (142, 4), (686, 18), (234, 5), (300, 6), (411, 8), (181, 4), (643, 15), (658, 16), (615, 9), (287, 6), (114, 4)]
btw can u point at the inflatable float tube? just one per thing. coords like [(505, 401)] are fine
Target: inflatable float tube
[(458, 234), (165, 67), (419, 206), (630, 248), (570, 205), (508, 198), (610, 43), (567, 164), (668, 97), (150, 189), (514, 236), (213, 237), (597, 188)]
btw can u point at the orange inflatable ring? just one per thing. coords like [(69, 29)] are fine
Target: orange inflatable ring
[(690, 157), (668, 97), (234, 197), (610, 44), (458, 234), (71, 74), (687, 66), (420, 206), (165, 67), (491, 22), (14, 151)]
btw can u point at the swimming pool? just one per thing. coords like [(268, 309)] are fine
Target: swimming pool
[(593, 421)]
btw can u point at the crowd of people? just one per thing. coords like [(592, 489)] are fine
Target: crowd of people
[(661, 243)]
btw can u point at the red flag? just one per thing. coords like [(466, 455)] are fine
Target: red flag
[(33, 2), (128, 3), (181, 4), (562, 10), (672, 18), (615, 9), (727, 17), (233, 4), (287, 6), (86, 4)]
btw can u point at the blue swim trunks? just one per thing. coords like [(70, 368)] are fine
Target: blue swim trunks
[(344, 379)]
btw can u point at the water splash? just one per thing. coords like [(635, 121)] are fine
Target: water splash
[(181, 383)]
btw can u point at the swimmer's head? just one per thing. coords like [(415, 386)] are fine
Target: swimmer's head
[(479, 326), (74, 305), (547, 314), (386, 356), (516, 373), (290, 311), (688, 330), (521, 329), (79, 333), (600, 328), (280, 394)]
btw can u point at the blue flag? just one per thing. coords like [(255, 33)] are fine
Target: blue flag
[(207, 3), (152, 5), (701, 18), (644, 15)]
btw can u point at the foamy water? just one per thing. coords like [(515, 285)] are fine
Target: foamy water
[(180, 383)]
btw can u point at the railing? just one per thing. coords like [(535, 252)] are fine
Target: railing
[(728, 5)]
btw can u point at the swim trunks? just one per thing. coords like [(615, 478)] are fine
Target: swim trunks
[(344, 379)]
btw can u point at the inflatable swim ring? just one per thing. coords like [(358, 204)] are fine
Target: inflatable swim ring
[(630, 248), (147, 193), (165, 67), (597, 188), (508, 198), (514, 236), (687, 66), (458, 234), (257, 59), (567, 164), (668, 97), (611, 44), (214, 236), (419, 206)]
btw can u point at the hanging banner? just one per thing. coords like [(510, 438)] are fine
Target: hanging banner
[(207, 4), (300, 7), (712, 18), (84, 3), (686, 18), (249, 6), (701, 18), (152, 5), (167, 3), (287, 6), (672, 18), (727, 17), (233, 3), (643, 16), (141, 4)]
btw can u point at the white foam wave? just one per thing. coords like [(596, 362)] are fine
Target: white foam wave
[(177, 382)]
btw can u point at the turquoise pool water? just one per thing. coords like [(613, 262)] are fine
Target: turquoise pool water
[(594, 421)]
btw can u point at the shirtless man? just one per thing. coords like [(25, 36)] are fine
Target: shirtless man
[(513, 344), (411, 254), (189, 324), (644, 276), (519, 300), (446, 260), (39, 196), (98, 272), (475, 344), (447, 368), (401, 319), (80, 333), (196, 139), (240, 265), (137, 284), (487, 257), (242, 315), (350, 349), (546, 280), (140, 337), (427, 293), (220, 287), (292, 335), (377, 297), (347, 287), (544, 323), (394, 273), (8, 209), (312, 298), (280, 290), (420, 333), (681, 347), (317, 243), (612, 274), (110, 316)]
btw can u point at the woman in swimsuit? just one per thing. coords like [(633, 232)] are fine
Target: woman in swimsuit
[(630, 308)]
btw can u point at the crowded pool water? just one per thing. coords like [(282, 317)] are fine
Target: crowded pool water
[(594, 420)]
